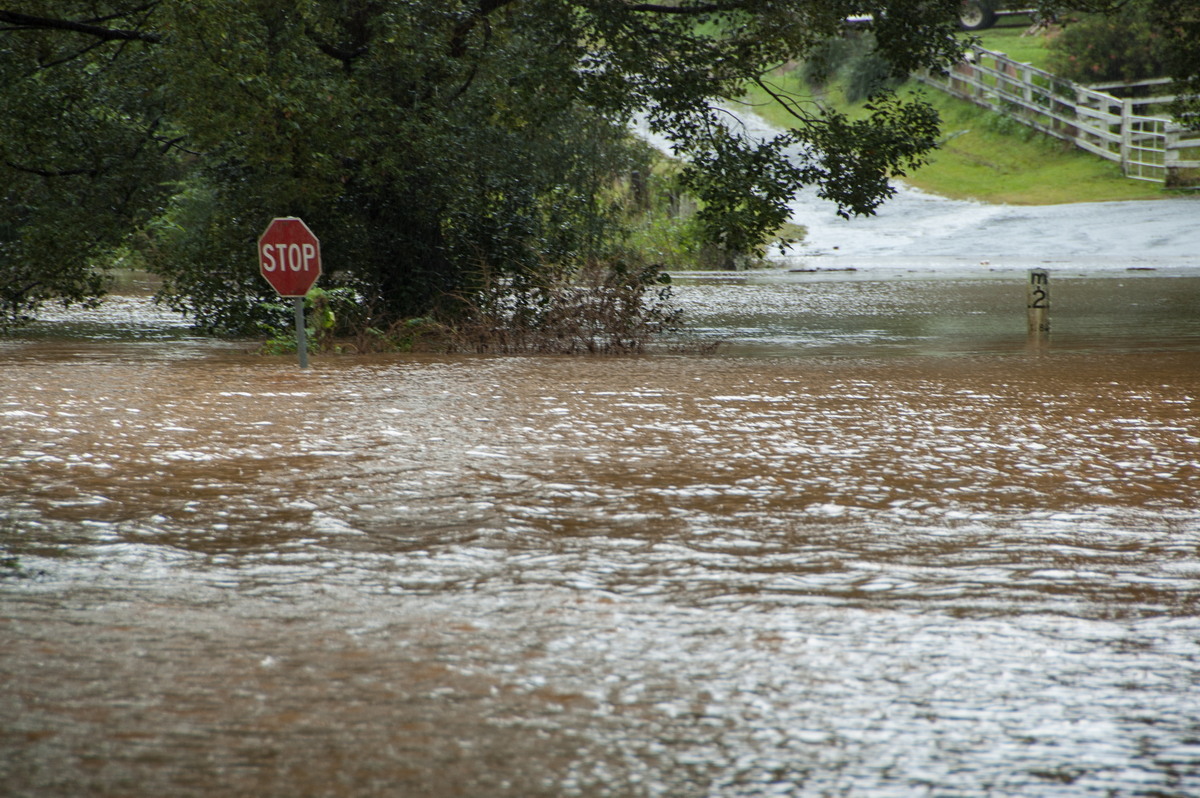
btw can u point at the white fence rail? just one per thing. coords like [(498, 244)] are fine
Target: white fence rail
[(1147, 147)]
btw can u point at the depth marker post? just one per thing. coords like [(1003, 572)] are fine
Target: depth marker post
[(1038, 302)]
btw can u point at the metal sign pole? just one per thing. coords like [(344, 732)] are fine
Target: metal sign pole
[(301, 333)]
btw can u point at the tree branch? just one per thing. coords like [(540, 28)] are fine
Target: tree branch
[(655, 8), (128, 12), (51, 172), (339, 53), (347, 57), (458, 38), (30, 22), (71, 57), (785, 100)]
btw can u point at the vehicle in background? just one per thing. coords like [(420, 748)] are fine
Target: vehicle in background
[(982, 14)]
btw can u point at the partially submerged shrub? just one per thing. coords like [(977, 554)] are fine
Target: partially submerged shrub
[(321, 320), (609, 308), (612, 308), (337, 322)]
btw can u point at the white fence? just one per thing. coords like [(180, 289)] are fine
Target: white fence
[(1147, 147)]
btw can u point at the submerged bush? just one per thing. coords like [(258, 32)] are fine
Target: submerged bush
[(613, 308), (337, 321)]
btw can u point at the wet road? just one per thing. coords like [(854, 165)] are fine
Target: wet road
[(873, 547), (921, 229)]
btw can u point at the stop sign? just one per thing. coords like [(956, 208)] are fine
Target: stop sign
[(289, 256)]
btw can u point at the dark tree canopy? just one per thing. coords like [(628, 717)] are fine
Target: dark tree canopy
[(82, 153), (429, 143)]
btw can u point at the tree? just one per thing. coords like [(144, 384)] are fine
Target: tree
[(1120, 46), (1169, 33), (432, 144), (81, 151)]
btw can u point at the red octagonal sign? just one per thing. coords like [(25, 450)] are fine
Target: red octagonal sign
[(289, 256)]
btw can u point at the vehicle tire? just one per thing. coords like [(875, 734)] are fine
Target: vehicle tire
[(977, 14)]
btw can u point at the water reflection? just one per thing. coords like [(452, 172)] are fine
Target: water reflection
[(798, 567), (904, 312)]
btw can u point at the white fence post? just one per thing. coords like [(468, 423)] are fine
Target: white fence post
[(1126, 133), (1094, 121)]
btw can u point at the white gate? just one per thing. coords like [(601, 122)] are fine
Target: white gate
[(1144, 147)]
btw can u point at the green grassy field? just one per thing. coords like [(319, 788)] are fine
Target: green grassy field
[(987, 157), (1011, 38)]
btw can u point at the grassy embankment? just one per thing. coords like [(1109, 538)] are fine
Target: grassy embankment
[(988, 157)]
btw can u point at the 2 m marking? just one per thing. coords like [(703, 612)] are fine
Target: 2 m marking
[(1039, 297)]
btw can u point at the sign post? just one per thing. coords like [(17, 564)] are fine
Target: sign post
[(301, 331), (1038, 302), (289, 258)]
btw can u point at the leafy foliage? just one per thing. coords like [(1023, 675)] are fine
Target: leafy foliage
[(1121, 46), (321, 321), (436, 146), (1179, 21), (1142, 38), (80, 158), (854, 60)]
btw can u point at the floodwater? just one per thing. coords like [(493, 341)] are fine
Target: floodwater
[(879, 544)]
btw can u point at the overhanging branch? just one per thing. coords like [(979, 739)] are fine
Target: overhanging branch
[(458, 38), (347, 55), (785, 101), (31, 22), (655, 8), (90, 172)]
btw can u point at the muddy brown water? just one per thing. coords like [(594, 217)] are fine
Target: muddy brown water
[(876, 545)]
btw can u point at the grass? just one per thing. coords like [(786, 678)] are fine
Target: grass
[(985, 156), (1009, 38)]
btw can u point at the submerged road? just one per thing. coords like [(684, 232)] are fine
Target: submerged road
[(914, 225)]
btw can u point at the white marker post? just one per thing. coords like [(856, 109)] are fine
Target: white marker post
[(1038, 302)]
